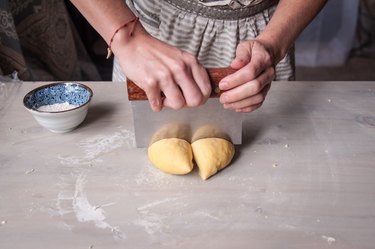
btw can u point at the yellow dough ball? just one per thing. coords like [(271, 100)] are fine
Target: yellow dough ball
[(172, 155), (212, 155)]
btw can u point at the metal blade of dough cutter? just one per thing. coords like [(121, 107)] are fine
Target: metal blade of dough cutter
[(208, 120)]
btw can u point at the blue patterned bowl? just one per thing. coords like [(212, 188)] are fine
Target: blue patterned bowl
[(60, 107)]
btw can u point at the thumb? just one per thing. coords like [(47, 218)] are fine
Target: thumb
[(243, 56)]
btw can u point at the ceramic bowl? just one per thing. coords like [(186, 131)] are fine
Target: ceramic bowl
[(59, 107)]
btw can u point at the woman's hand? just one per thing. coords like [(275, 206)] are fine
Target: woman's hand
[(256, 59), (246, 89), (160, 68)]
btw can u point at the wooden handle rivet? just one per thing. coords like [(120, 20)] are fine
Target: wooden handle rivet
[(217, 90)]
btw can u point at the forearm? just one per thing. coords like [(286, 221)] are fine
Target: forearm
[(105, 16), (288, 21)]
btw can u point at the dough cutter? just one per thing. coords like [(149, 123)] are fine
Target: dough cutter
[(208, 120)]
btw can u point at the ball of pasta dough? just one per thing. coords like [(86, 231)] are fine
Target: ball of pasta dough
[(172, 155), (212, 155)]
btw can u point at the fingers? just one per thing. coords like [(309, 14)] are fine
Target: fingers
[(173, 97), (243, 56), (163, 82), (202, 80), (256, 58), (249, 96), (155, 100), (183, 84), (252, 104), (193, 82), (246, 89), (245, 74), (161, 69)]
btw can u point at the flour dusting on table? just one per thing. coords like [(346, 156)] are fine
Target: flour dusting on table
[(329, 240), (99, 145), (85, 212)]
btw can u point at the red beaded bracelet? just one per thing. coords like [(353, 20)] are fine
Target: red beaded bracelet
[(109, 49)]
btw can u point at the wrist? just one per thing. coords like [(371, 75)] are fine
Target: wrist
[(122, 35), (276, 49)]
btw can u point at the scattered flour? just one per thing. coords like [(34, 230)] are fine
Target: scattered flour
[(151, 222), (152, 219), (101, 144), (287, 226), (85, 212), (156, 203), (155, 177), (205, 213), (73, 200), (329, 240), (29, 171), (98, 145)]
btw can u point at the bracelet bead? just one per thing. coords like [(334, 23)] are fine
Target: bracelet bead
[(134, 20)]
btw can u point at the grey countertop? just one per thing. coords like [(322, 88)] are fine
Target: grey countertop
[(303, 178)]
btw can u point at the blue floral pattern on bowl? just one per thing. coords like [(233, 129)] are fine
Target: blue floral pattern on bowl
[(74, 93)]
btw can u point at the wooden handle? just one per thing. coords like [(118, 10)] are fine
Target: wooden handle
[(215, 74)]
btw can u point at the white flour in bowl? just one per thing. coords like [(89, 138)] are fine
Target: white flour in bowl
[(56, 107)]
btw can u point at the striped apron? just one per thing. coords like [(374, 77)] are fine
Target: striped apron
[(208, 29)]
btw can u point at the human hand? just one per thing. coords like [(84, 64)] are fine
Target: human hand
[(246, 89), (158, 68)]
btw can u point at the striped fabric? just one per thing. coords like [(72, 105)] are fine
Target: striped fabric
[(235, 3), (213, 41)]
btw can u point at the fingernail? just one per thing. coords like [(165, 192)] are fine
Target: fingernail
[(217, 90), (155, 105), (223, 85), (155, 108), (223, 99), (227, 106)]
